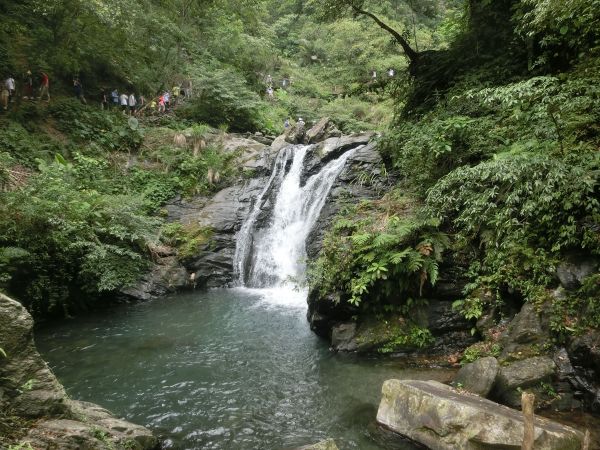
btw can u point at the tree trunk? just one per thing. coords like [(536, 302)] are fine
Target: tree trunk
[(411, 54)]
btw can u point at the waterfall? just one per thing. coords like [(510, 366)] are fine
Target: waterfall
[(275, 254)]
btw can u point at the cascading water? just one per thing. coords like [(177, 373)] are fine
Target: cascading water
[(274, 256)]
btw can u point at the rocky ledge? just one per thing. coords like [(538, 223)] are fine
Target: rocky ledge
[(440, 417), (30, 391)]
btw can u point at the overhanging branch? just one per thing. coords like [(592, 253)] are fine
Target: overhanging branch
[(408, 50)]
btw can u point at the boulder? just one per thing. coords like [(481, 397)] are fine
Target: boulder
[(584, 351), (343, 337), (323, 129), (478, 377), (575, 269), (440, 418), (279, 143), (27, 385), (333, 147), (166, 276), (233, 142), (523, 331), (296, 133), (527, 373), (29, 389), (96, 428), (329, 444)]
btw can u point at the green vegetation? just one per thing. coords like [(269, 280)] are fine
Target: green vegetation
[(385, 252), (78, 220), (500, 147), (490, 119)]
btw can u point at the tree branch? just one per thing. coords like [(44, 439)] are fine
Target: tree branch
[(408, 51)]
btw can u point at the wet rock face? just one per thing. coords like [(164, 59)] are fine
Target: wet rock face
[(440, 418), (347, 189), (28, 388), (343, 337), (225, 213)]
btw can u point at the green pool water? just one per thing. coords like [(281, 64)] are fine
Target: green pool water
[(224, 369)]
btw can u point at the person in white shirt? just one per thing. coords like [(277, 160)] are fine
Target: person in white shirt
[(10, 85), (123, 101), (132, 103)]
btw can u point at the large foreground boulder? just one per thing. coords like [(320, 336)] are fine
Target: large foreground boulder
[(441, 418), (29, 389)]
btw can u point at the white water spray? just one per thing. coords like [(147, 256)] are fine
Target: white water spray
[(275, 256)]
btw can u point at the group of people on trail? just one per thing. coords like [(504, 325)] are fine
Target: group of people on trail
[(8, 89), (391, 72), (132, 105), (127, 101)]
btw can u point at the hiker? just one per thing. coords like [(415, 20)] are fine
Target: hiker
[(45, 86), (285, 83), (4, 96), (123, 101), (78, 90), (103, 99), (187, 88), (115, 98), (167, 100), (301, 123), (391, 72), (28, 85), (176, 92), (10, 85), (286, 124), (374, 75), (161, 104), (269, 80), (132, 103), (270, 93)]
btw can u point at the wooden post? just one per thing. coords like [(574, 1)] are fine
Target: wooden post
[(527, 404), (586, 440)]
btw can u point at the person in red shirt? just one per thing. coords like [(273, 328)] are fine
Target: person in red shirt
[(45, 86)]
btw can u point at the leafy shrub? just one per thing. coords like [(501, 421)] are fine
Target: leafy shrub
[(108, 129), (77, 243), (23, 146), (523, 209), (188, 239), (382, 254), (226, 98)]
